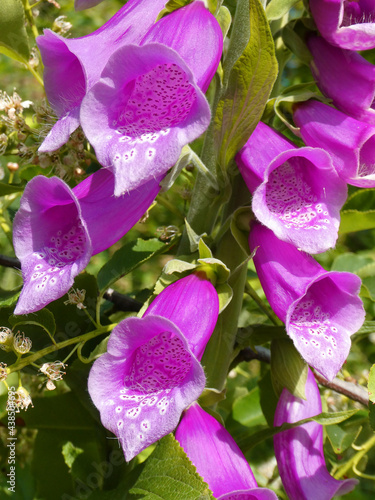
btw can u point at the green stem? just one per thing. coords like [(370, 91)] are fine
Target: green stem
[(35, 74), (30, 17), (169, 206), (18, 365), (249, 290), (355, 459)]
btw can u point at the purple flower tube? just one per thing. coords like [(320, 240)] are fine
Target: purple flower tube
[(345, 77), (321, 309), (58, 229), (217, 458), (151, 370), (299, 451), (347, 24), (73, 65), (350, 143), (149, 101), (296, 191), (85, 4)]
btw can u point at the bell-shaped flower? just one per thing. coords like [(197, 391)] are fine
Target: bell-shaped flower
[(299, 451), (345, 77), (150, 369), (296, 191), (73, 65), (350, 143), (149, 102), (217, 458), (321, 309), (58, 229), (347, 24)]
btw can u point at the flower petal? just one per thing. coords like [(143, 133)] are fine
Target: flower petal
[(350, 143), (194, 33), (109, 218), (345, 77), (321, 309), (150, 377), (142, 112), (192, 304), (73, 65), (299, 451), (217, 458), (349, 25), (58, 229), (301, 194), (51, 240)]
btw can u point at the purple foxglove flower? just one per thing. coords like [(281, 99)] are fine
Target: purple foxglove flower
[(85, 4), (150, 369), (217, 458), (58, 229), (296, 191), (345, 77), (321, 309), (345, 23), (299, 451), (73, 65), (350, 143), (148, 103)]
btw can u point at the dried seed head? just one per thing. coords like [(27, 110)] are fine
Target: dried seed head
[(76, 297), (21, 344), (6, 339), (53, 370)]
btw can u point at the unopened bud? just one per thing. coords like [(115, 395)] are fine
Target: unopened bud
[(6, 339), (12, 167), (21, 344), (3, 372)]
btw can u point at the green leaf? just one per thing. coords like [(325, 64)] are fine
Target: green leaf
[(295, 43), (70, 453), (363, 199), (350, 262), (288, 369), (250, 70), (172, 5), (13, 37), (341, 438), (43, 318), (247, 409), (225, 294), (210, 396), (355, 220), (277, 8), (371, 384), (10, 188), (254, 335), (240, 227), (267, 398), (9, 297), (128, 258), (224, 19), (371, 407), (169, 474)]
